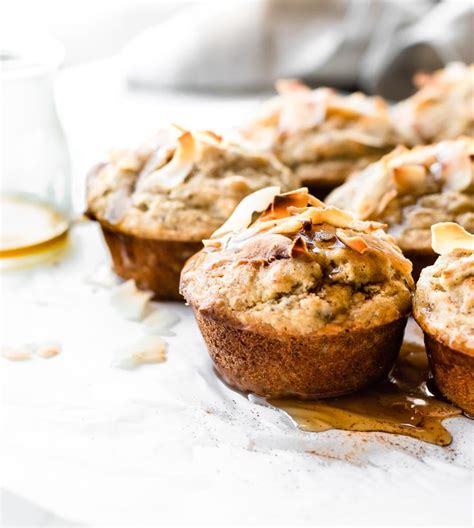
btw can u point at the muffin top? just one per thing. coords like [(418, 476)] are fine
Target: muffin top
[(305, 126), (179, 186), (444, 300), (410, 190), (300, 267), (442, 108)]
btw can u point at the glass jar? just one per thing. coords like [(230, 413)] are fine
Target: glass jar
[(35, 170)]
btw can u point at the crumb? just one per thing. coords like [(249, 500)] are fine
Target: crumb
[(20, 353), (48, 350), (148, 349), (129, 301), (160, 321)]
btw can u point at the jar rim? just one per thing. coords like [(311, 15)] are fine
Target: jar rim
[(29, 54)]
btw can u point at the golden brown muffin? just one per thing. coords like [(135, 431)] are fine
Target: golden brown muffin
[(410, 190), (321, 135), (304, 300), (442, 108), (155, 204), (444, 308)]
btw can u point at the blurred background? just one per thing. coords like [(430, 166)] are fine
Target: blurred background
[(132, 66), (243, 45), (114, 71)]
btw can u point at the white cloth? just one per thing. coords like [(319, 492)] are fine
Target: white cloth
[(240, 45)]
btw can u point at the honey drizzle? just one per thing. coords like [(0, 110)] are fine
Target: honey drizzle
[(402, 404)]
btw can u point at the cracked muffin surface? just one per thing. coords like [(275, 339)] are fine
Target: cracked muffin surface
[(180, 186), (301, 267), (442, 108), (410, 190), (321, 135), (444, 301)]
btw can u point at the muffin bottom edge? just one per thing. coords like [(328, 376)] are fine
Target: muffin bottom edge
[(153, 264), (305, 367), (453, 373)]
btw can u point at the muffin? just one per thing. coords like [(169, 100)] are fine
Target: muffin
[(442, 108), (321, 135), (300, 300), (156, 203), (410, 190), (444, 308)]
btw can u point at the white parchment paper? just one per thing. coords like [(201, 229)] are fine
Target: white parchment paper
[(170, 443)]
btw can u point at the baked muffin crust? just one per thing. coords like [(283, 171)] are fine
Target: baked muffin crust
[(444, 304), (320, 134), (301, 268), (410, 190), (181, 186), (442, 108), (444, 308)]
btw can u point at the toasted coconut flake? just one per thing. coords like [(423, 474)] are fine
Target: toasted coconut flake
[(408, 178), (365, 139), (364, 192), (117, 207), (129, 301), (48, 350), (356, 105), (179, 167), (448, 236), (298, 247), (290, 226), (421, 155), (126, 159), (281, 203), (315, 202), (161, 321), (262, 227), (286, 86), (454, 157), (384, 201), (336, 217), (161, 150), (354, 242), (214, 243), (148, 349), (242, 215), (178, 128), (20, 353), (298, 210), (157, 159), (304, 111), (102, 276), (314, 215), (208, 135)]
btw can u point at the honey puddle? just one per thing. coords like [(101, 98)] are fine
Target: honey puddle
[(403, 404), (29, 227)]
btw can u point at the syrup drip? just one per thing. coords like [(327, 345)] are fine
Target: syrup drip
[(402, 404)]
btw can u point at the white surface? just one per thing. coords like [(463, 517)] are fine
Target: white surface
[(89, 29), (169, 443)]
